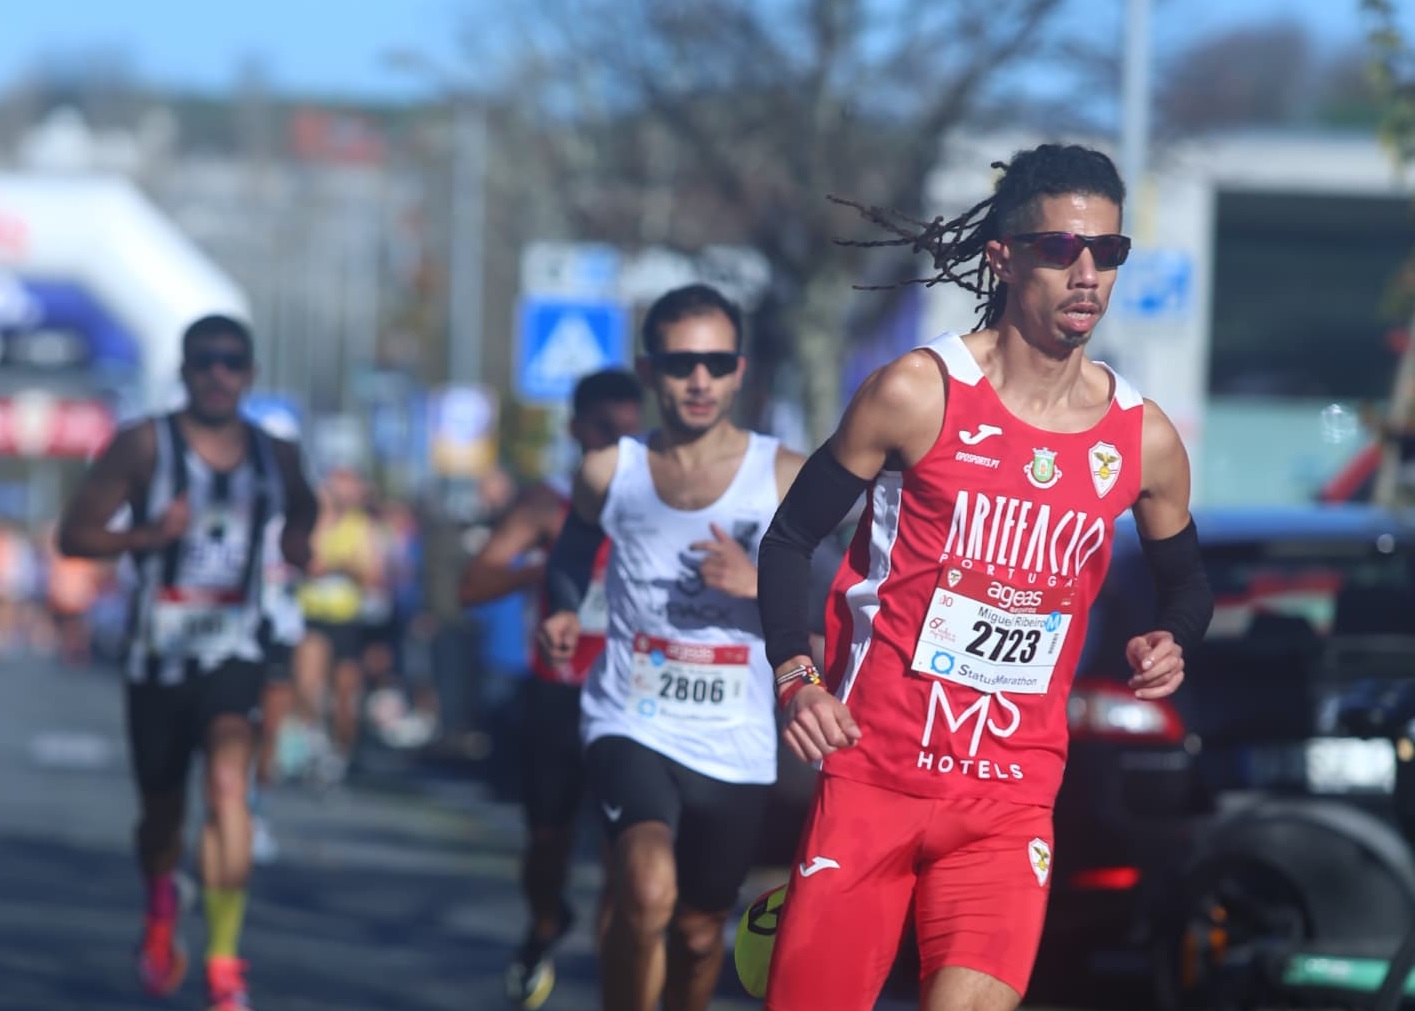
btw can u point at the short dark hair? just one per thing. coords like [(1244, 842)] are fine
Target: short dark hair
[(216, 325), (1048, 170), (684, 303), (607, 386)]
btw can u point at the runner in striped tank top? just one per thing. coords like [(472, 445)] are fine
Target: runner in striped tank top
[(201, 485)]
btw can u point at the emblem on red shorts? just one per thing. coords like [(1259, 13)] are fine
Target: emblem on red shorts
[(1039, 856)]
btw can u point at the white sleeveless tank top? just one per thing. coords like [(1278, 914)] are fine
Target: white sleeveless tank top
[(684, 671), (279, 605)]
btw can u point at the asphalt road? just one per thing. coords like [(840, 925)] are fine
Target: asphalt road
[(396, 892)]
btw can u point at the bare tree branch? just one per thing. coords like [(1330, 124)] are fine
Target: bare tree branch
[(748, 114)]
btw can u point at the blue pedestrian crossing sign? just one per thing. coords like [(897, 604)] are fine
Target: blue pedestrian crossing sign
[(560, 341)]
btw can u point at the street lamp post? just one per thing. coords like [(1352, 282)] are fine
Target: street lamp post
[(1135, 93), (467, 217), (467, 256), (1134, 151)]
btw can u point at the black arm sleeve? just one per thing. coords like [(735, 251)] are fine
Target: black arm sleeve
[(817, 501), (1186, 604), (571, 562)]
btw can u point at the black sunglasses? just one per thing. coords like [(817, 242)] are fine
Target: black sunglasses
[(1062, 249), (232, 361), (682, 364)]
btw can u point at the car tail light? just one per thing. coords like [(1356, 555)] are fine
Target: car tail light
[(1104, 710), (1106, 879)]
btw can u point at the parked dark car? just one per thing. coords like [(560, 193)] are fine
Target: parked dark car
[(1310, 601), (1313, 605)]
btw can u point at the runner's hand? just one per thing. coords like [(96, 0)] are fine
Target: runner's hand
[(727, 566), (557, 637), (171, 527), (818, 724), (1158, 663)]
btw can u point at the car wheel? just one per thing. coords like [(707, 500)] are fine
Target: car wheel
[(1215, 948)]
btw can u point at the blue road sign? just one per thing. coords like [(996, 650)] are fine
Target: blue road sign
[(560, 341)]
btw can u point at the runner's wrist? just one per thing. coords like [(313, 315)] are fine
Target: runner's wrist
[(787, 694), (791, 678), (786, 669)]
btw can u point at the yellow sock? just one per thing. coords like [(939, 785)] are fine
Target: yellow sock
[(225, 909)]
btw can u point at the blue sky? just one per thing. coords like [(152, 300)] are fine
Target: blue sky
[(336, 48)]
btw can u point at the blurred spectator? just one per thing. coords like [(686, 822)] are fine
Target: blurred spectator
[(444, 629), (347, 563), (73, 589), (19, 587), (1399, 434), (402, 707), (501, 629), (376, 608)]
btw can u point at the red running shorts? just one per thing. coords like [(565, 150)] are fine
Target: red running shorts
[(976, 872)]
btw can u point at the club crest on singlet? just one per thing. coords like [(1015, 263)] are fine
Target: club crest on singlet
[(1105, 463), (1042, 472)]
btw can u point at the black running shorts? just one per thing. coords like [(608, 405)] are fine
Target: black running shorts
[(552, 762), (279, 663), (346, 638), (716, 826), (167, 724)]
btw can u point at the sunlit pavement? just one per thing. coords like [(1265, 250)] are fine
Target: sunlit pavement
[(397, 891)]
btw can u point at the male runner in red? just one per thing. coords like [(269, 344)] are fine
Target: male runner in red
[(995, 465)]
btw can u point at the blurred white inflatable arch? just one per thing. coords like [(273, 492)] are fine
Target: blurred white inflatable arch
[(101, 232)]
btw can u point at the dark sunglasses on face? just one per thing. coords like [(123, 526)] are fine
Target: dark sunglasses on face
[(682, 364), (232, 361), (1062, 249)]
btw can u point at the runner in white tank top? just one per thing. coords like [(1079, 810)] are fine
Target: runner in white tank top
[(684, 669), (679, 713)]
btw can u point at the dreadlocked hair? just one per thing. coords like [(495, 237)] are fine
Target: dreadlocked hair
[(957, 245)]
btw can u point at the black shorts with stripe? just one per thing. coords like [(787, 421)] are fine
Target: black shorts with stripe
[(716, 825)]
